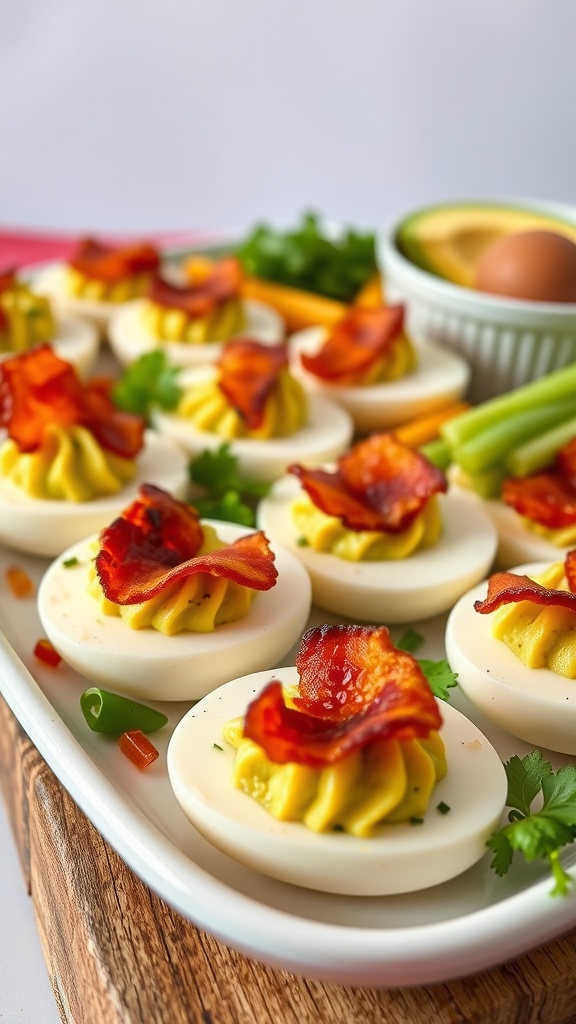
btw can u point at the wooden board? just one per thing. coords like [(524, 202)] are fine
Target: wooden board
[(117, 954)]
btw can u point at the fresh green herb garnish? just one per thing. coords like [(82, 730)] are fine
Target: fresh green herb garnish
[(218, 747), (438, 673), (416, 821), (302, 542), (537, 833), (148, 382), (69, 562), (308, 258), (228, 495), (410, 641), (443, 808)]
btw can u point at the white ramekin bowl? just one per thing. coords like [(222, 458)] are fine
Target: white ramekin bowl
[(507, 342)]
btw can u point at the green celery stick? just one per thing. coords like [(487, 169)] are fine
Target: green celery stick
[(540, 451), (493, 444), (437, 452), (557, 385), (487, 484)]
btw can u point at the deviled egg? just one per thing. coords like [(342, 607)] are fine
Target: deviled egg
[(310, 829), (514, 683), (378, 535), (250, 400), (368, 365), (27, 320), (97, 279), (69, 460), (192, 322), (221, 599)]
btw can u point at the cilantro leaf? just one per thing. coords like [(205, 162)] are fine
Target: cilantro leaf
[(149, 381), (308, 257), (227, 494), (410, 641), (540, 833), (438, 673)]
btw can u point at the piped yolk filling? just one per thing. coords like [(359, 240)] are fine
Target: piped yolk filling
[(70, 465), (562, 537), (221, 324), (327, 534), (199, 604), (399, 361), (25, 319), (208, 410), (388, 782), (540, 636), (95, 290)]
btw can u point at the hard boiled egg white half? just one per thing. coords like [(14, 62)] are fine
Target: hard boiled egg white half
[(147, 664), (45, 527), (418, 587), (397, 858), (533, 704), (440, 376), (516, 542), (129, 338), (327, 433), (50, 280)]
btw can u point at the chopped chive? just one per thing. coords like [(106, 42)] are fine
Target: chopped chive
[(443, 808), (416, 821), (69, 562), (109, 713), (302, 542), (218, 747)]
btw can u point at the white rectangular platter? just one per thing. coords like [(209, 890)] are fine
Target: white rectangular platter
[(462, 926)]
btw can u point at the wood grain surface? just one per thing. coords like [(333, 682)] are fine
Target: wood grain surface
[(117, 954)]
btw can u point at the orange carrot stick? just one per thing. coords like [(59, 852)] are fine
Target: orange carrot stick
[(426, 428)]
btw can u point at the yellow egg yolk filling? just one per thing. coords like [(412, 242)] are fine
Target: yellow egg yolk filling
[(208, 410), (388, 782), (562, 536), (327, 534), (70, 465), (25, 319), (95, 290), (221, 324), (398, 362), (198, 604), (540, 636)]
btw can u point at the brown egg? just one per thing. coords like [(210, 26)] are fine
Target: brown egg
[(535, 265)]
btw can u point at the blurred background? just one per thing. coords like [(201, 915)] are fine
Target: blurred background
[(127, 116)]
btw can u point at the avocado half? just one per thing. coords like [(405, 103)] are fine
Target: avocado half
[(449, 240)]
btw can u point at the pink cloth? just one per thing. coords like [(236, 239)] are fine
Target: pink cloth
[(19, 248)]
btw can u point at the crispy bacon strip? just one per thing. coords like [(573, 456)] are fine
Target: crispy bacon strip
[(356, 342), (248, 373), (355, 688), (511, 588), (549, 497), (544, 498), (113, 263), (37, 389), (7, 278), (381, 484), (155, 543), (199, 298)]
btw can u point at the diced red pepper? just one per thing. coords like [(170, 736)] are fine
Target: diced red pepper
[(138, 748), (19, 582), (45, 652)]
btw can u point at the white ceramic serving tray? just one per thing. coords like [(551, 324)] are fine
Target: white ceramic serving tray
[(460, 927)]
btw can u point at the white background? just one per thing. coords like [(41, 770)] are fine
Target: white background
[(140, 116), (133, 116)]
